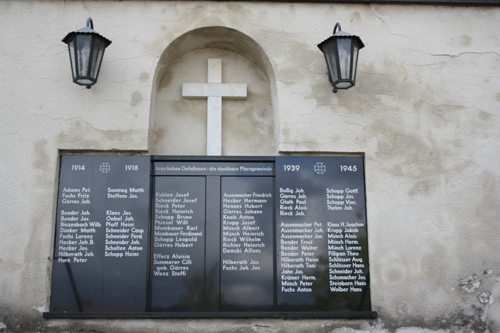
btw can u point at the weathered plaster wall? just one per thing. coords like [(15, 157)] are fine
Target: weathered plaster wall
[(179, 125), (424, 112)]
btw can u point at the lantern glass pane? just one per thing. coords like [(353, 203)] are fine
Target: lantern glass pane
[(355, 61), (83, 53), (97, 57), (344, 85), (330, 51), (72, 56), (344, 47)]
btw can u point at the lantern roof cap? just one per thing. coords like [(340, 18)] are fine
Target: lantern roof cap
[(341, 34), (89, 29)]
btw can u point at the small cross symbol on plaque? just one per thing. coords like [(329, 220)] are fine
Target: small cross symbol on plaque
[(214, 91)]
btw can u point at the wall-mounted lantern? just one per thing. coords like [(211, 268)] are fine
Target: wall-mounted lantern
[(341, 55), (86, 49)]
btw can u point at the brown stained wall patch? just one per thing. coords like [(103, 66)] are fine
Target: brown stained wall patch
[(144, 77), (466, 40), (41, 155), (136, 98)]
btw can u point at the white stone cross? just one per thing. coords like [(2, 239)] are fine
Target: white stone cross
[(214, 91)]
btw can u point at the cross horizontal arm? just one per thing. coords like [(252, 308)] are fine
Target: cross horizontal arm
[(225, 90)]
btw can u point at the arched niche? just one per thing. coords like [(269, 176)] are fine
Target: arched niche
[(178, 125)]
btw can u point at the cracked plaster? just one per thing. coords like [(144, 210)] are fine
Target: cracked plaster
[(424, 112)]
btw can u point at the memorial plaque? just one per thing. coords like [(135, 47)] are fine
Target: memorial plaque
[(178, 252), (321, 234), (247, 282), (101, 241), (232, 257), (203, 237)]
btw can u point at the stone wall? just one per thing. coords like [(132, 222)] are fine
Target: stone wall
[(424, 112)]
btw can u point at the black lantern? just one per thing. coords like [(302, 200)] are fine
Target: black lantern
[(86, 49), (341, 55)]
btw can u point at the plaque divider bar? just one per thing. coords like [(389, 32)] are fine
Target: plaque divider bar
[(211, 315), (152, 189), (212, 242), (275, 243), (367, 289)]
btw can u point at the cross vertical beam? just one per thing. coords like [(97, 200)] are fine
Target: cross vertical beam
[(214, 90)]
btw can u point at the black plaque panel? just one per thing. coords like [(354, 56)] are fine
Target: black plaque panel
[(321, 234), (247, 244), (178, 281), (100, 254)]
